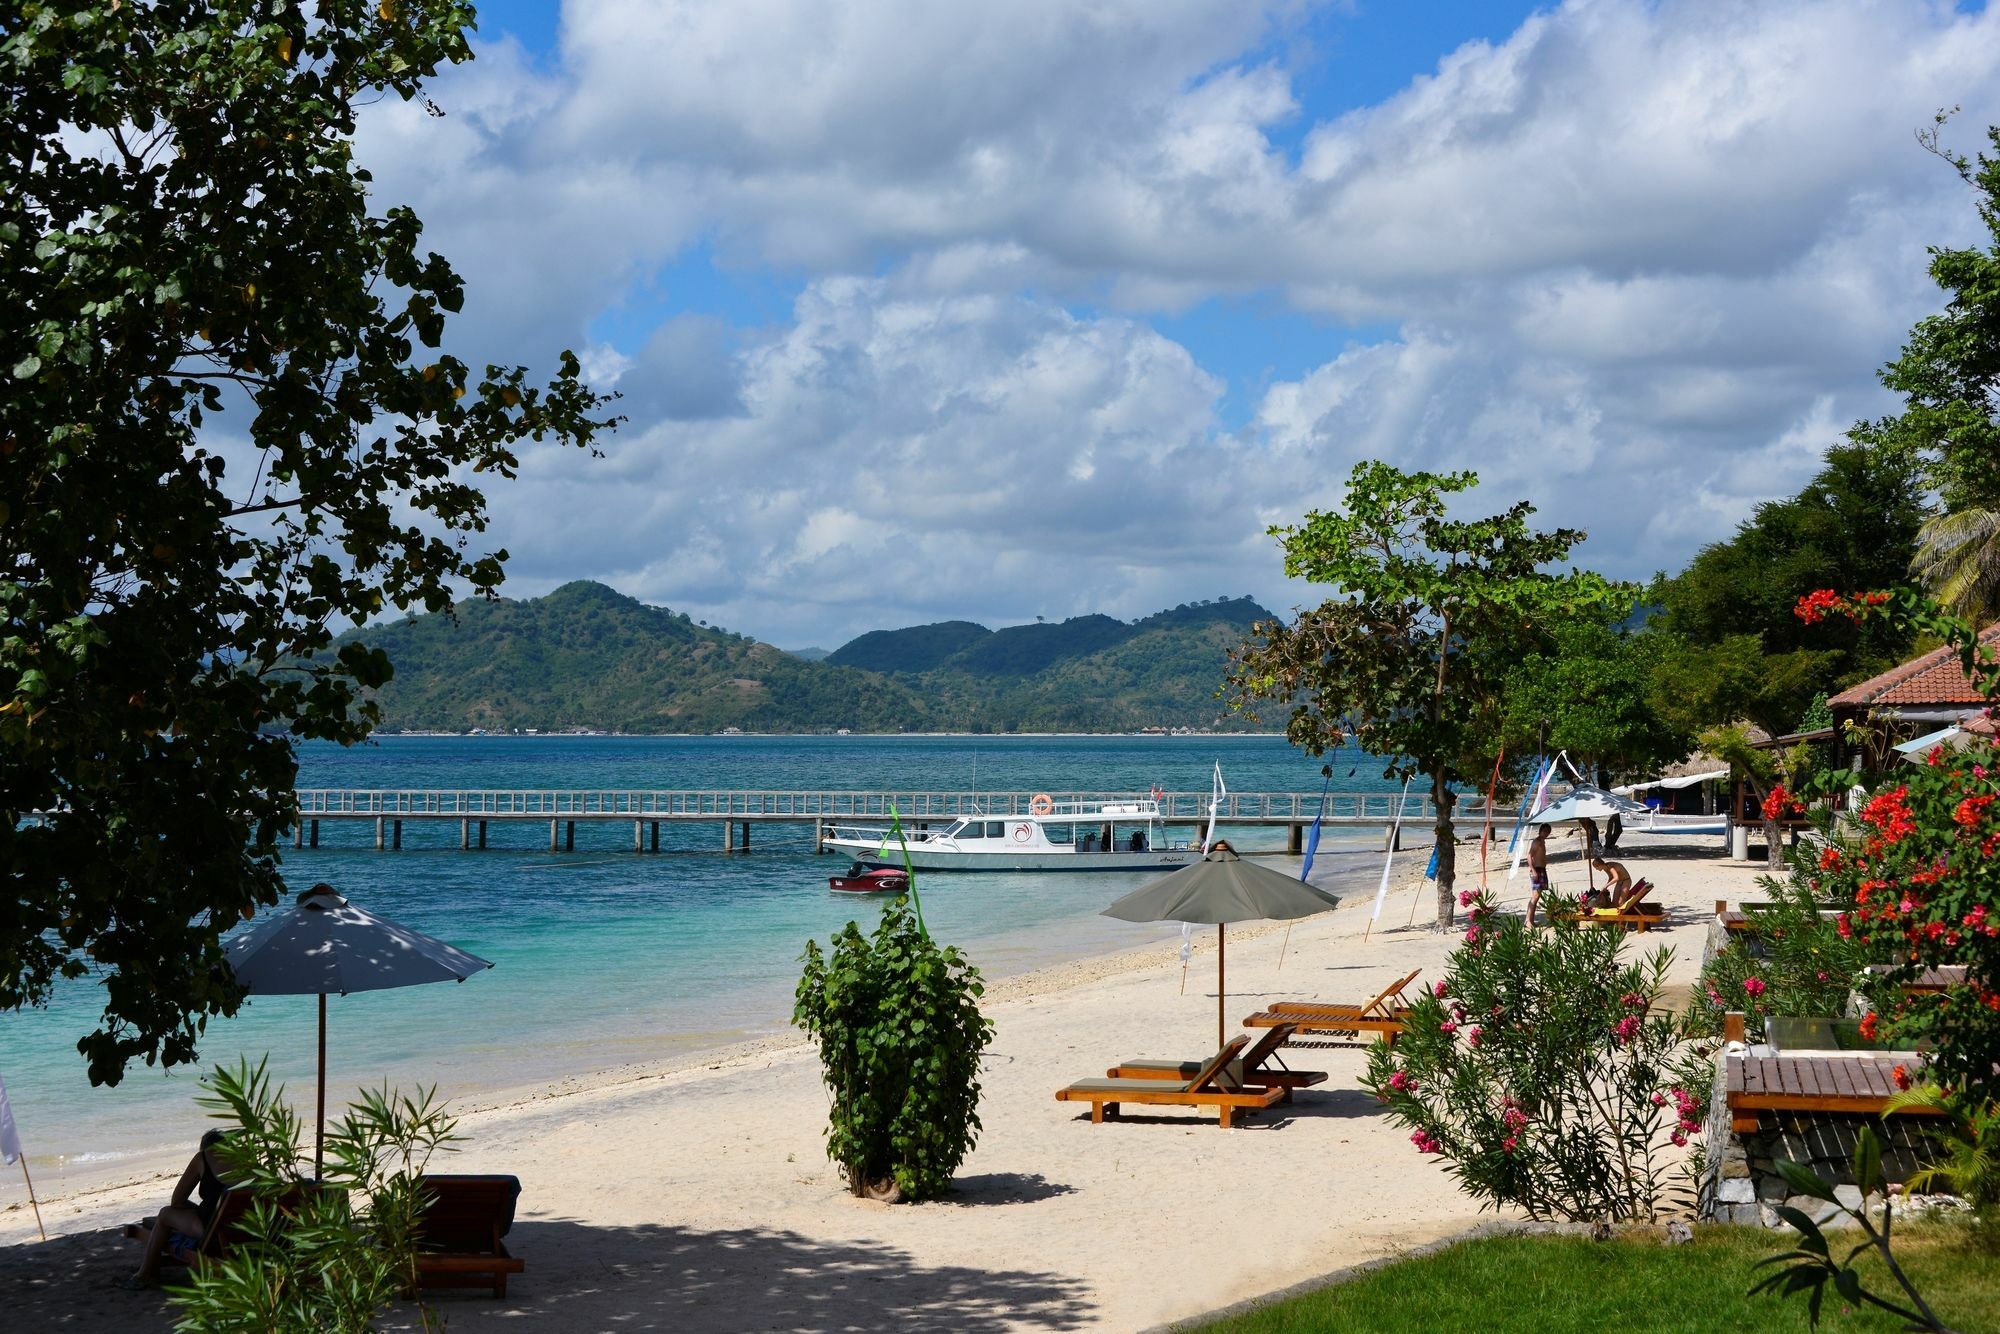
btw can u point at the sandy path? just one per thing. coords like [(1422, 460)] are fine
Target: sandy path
[(700, 1199)]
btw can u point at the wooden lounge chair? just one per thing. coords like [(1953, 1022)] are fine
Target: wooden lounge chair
[(1208, 1088), (459, 1240), (1341, 1025), (1252, 1069), (224, 1230)]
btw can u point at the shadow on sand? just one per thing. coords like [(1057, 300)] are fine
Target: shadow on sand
[(644, 1277)]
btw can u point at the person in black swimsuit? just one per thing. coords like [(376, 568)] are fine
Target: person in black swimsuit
[(186, 1218)]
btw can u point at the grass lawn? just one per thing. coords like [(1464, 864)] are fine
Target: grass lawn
[(1553, 1285)]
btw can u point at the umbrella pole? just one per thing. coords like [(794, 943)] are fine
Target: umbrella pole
[(1221, 986), (319, 1124)]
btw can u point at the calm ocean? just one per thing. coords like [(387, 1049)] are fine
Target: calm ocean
[(604, 957)]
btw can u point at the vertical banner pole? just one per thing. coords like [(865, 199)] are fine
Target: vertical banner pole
[(32, 1203)]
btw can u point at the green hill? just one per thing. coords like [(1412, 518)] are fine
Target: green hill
[(587, 656), (916, 649)]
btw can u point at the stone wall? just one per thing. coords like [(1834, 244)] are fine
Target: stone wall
[(1740, 1181)]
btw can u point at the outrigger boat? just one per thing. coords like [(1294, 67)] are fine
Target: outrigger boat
[(860, 880), (1053, 836)]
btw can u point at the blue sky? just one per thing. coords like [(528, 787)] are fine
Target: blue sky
[(924, 311)]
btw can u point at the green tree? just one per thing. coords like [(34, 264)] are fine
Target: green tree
[(229, 428), (1737, 652), (1591, 685), (1410, 658), (1958, 561)]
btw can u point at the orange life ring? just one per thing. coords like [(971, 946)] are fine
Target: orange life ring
[(1041, 804)]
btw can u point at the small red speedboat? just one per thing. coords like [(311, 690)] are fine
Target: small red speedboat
[(860, 880)]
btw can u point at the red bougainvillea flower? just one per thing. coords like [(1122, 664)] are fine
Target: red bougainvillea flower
[(1829, 860), (1902, 1077), (1890, 813), (1814, 606), (1868, 1022)]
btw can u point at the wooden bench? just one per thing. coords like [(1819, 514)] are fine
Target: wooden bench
[(459, 1239), (1805, 1082)]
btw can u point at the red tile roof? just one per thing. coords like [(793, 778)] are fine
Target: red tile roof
[(1935, 678)]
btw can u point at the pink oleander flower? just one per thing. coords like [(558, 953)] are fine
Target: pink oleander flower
[(1627, 1028), (1465, 897), (1402, 1083), (1514, 1119), (1472, 934), (1426, 1143), (1472, 1035), (1659, 1100), (1679, 1138), (1753, 986), (1438, 988), (1448, 1028), (1507, 1145)]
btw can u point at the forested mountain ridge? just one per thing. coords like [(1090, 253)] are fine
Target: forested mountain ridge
[(586, 656)]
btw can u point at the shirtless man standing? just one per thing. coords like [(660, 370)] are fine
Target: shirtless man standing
[(1538, 870)]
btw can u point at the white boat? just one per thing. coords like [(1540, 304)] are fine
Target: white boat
[(1053, 836)]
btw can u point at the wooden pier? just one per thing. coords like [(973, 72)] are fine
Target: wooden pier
[(736, 812)]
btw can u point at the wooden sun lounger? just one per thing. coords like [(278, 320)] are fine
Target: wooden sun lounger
[(1205, 1090), (459, 1240), (1640, 917), (1249, 1070), (224, 1230), (1383, 1016)]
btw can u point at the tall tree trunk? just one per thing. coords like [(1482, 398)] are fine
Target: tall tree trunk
[(1774, 846), (1443, 799)]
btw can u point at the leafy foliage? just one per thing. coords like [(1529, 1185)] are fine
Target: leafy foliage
[(1812, 1266), (1544, 1071), (1746, 655), (1803, 967), (1592, 685), (1970, 1163), (228, 426), (325, 1257), (1411, 657), (900, 1034)]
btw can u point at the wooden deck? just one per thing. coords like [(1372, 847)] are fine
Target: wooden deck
[(1805, 1082)]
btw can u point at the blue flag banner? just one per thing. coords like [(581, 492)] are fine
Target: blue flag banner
[(1312, 835)]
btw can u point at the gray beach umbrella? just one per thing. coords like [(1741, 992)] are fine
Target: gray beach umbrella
[(1222, 888), (323, 945)]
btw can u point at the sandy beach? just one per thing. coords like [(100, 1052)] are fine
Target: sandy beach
[(699, 1197)]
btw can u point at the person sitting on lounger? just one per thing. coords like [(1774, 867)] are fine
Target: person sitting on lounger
[(1618, 887), (182, 1224)]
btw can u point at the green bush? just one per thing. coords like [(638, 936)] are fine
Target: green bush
[(1802, 968), (1543, 1072), (315, 1259), (900, 1035)]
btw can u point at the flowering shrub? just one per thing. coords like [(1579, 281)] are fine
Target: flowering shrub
[(1541, 1070), (1793, 962), (1920, 878)]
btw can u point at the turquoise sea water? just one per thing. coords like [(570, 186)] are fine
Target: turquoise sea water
[(603, 957)]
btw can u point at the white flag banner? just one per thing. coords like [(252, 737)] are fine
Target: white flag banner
[(1214, 808), (1187, 942), (1531, 803), (10, 1138), (1382, 890)]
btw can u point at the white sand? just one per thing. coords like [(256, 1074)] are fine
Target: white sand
[(701, 1198)]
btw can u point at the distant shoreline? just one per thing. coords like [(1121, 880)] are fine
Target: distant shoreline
[(741, 736)]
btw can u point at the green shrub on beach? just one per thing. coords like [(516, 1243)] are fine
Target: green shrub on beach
[(1544, 1072), (900, 1035), (319, 1258)]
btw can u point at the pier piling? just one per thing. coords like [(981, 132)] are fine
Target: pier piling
[(465, 835), (380, 825), (313, 838), (398, 836)]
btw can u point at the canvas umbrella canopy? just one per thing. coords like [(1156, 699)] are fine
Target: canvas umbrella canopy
[(324, 945), (1586, 802), (1222, 888)]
